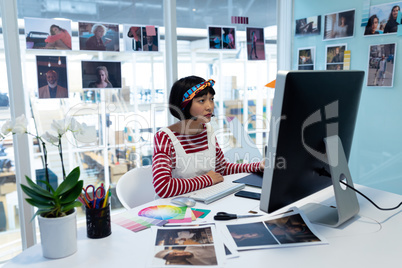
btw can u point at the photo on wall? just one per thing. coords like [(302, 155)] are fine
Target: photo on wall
[(229, 38), (52, 77), (47, 33), (339, 25), (150, 40), (101, 74), (383, 19), (306, 58), (132, 36), (98, 36), (215, 37), (308, 26), (255, 43), (381, 65), (335, 56)]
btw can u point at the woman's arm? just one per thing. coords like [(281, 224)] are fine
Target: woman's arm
[(225, 168), (162, 163)]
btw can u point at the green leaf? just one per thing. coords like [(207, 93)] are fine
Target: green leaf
[(68, 207), (39, 205), (35, 195), (69, 182), (48, 185), (37, 188), (38, 212), (73, 194)]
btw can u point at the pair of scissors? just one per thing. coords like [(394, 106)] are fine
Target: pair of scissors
[(223, 216), (94, 196)]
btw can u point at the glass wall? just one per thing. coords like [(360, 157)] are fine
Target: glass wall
[(126, 117)]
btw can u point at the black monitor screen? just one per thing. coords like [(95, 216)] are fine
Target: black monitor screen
[(308, 107)]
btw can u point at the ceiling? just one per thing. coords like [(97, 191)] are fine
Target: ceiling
[(189, 13)]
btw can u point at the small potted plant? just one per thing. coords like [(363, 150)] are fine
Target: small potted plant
[(56, 207)]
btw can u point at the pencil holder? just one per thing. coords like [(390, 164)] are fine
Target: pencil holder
[(98, 222)]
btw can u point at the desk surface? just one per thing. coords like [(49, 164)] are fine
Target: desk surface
[(370, 239)]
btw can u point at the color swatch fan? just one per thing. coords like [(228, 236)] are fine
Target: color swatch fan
[(163, 212)]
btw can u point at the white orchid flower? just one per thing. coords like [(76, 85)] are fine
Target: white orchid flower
[(21, 124), (50, 138), (74, 126), (86, 134), (59, 127), (7, 128)]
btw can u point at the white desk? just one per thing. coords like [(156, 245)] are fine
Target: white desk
[(371, 239)]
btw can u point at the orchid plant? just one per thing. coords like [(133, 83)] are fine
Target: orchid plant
[(51, 202)]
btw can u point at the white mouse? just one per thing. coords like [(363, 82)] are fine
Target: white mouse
[(183, 201)]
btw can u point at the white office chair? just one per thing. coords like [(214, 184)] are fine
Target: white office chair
[(135, 187)]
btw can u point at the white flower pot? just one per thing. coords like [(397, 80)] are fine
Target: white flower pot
[(58, 236)]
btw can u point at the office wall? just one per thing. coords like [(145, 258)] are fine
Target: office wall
[(376, 157)]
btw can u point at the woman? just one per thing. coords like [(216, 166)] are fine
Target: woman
[(102, 78), (372, 24), (95, 42), (59, 38), (187, 156), (392, 24)]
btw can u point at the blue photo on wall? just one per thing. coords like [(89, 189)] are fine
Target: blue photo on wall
[(383, 19)]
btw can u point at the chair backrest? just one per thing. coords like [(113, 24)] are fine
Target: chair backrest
[(135, 187)]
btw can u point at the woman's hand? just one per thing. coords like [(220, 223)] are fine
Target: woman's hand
[(262, 165), (216, 177)]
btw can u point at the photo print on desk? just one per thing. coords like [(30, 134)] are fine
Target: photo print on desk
[(181, 246), (47, 33), (288, 230), (339, 25), (306, 58), (101, 74), (381, 65), (335, 56), (98, 36), (255, 43), (383, 19), (308, 26), (52, 77)]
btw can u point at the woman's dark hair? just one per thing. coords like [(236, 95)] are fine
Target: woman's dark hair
[(390, 18), (55, 26), (176, 96), (370, 23)]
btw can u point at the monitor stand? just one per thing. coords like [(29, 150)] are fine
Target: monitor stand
[(346, 201)]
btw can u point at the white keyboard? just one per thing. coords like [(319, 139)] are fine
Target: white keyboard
[(215, 192)]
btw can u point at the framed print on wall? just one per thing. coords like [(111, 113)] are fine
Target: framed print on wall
[(339, 25), (215, 37), (306, 58), (308, 26), (101, 74), (52, 77), (47, 33), (381, 65), (335, 56), (98, 36), (255, 43)]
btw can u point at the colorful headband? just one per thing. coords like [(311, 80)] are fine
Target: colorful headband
[(192, 92)]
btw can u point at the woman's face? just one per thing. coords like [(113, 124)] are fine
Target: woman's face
[(374, 25), (99, 32), (101, 75), (55, 30), (395, 12), (203, 107)]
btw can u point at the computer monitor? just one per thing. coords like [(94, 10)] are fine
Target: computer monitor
[(311, 131)]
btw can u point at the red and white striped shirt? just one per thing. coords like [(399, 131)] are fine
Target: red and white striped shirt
[(164, 160)]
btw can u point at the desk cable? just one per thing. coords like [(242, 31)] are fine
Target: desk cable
[(357, 191)]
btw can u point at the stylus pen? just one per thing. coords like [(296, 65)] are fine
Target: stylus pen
[(223, 216)]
